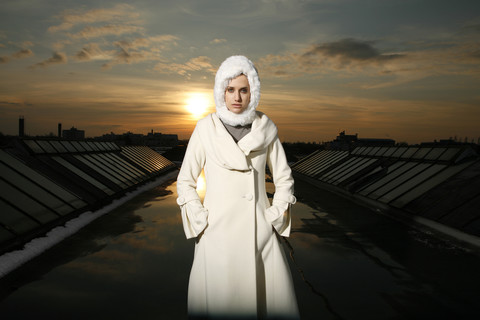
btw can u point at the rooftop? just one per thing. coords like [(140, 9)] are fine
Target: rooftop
[(347, 262), (123, 254)]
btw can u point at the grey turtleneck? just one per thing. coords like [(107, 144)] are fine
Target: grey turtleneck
[(238, 132)]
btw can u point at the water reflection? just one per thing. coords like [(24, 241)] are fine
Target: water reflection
[(367, 266), (349, 264), (131, 263)]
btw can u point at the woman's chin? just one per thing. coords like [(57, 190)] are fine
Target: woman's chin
[(236, 110)]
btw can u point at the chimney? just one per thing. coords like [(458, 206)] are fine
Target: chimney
[(59, 130), (21, 126)]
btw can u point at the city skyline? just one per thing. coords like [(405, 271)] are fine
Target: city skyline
[(409, 71), (21, 128)]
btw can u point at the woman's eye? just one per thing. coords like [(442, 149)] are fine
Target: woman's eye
[(244, 90), (230, 90)]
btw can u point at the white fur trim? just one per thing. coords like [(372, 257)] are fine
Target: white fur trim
[(231, 68)]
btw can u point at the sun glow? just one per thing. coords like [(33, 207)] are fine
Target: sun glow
[(197, 104), (201, 185)]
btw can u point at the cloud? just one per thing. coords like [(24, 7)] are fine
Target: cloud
[(23, 54), (123, 56), (120, 12), (350, 50), (476, 54), (361, 64), (57, 58), (127, 51), (26, 44), (116, 26), (163, 40), (11, 103), (93, 32), (346, 55), (135, 44), (217, 41), (198, 63), (92, 51), (194, 64), (60, 45), (471, 28)]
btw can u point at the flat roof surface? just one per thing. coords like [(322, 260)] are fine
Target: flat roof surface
[(349, 263)]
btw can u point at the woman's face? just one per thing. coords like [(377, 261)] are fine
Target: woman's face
[(237, 94)]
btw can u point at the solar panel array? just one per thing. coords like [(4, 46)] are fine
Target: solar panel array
[(46, 182), (402, 178)]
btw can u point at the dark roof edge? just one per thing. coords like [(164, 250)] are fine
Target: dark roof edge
[(423, 224)]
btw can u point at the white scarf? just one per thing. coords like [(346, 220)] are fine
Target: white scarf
[(221, 147)]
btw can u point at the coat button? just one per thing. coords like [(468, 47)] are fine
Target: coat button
[(249, 197)]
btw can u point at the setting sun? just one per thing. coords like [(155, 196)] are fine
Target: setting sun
[(197, 104)]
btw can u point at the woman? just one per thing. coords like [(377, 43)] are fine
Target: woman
[(239, 269)]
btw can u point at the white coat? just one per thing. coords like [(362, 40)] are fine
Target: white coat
[(239, 268)]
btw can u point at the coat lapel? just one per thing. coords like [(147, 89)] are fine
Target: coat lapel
[(225, 152), (223, 148)]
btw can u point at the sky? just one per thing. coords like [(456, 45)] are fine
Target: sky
[(407, 70)]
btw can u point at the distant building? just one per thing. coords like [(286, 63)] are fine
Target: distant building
[(374, 142), (350, 141), (133, 139), (153, 140), (73, 134), (441, 142), (21, 126), (156, 139)]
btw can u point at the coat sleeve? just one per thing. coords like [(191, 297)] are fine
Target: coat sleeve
[(279, 214), (194, 215)]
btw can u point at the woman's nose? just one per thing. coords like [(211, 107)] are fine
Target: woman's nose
[(238, 97)]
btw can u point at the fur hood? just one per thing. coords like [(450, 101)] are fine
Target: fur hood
[(230, 69)]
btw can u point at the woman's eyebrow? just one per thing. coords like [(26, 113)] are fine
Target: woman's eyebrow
[(230, 87)]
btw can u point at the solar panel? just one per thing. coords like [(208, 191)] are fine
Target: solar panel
[(444, 173), (35, 191), (58, 146), (101, 170), (449, 154), (34, 146), (68, 146), (415, 180), (83, 175), (383, 193), (46, 146), (5, 234), (17, 221), (78, 146), (26, 204), (42, 180), (421, 153)]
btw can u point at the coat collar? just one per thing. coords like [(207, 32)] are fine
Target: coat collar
[(233, 156), (262, 134)]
